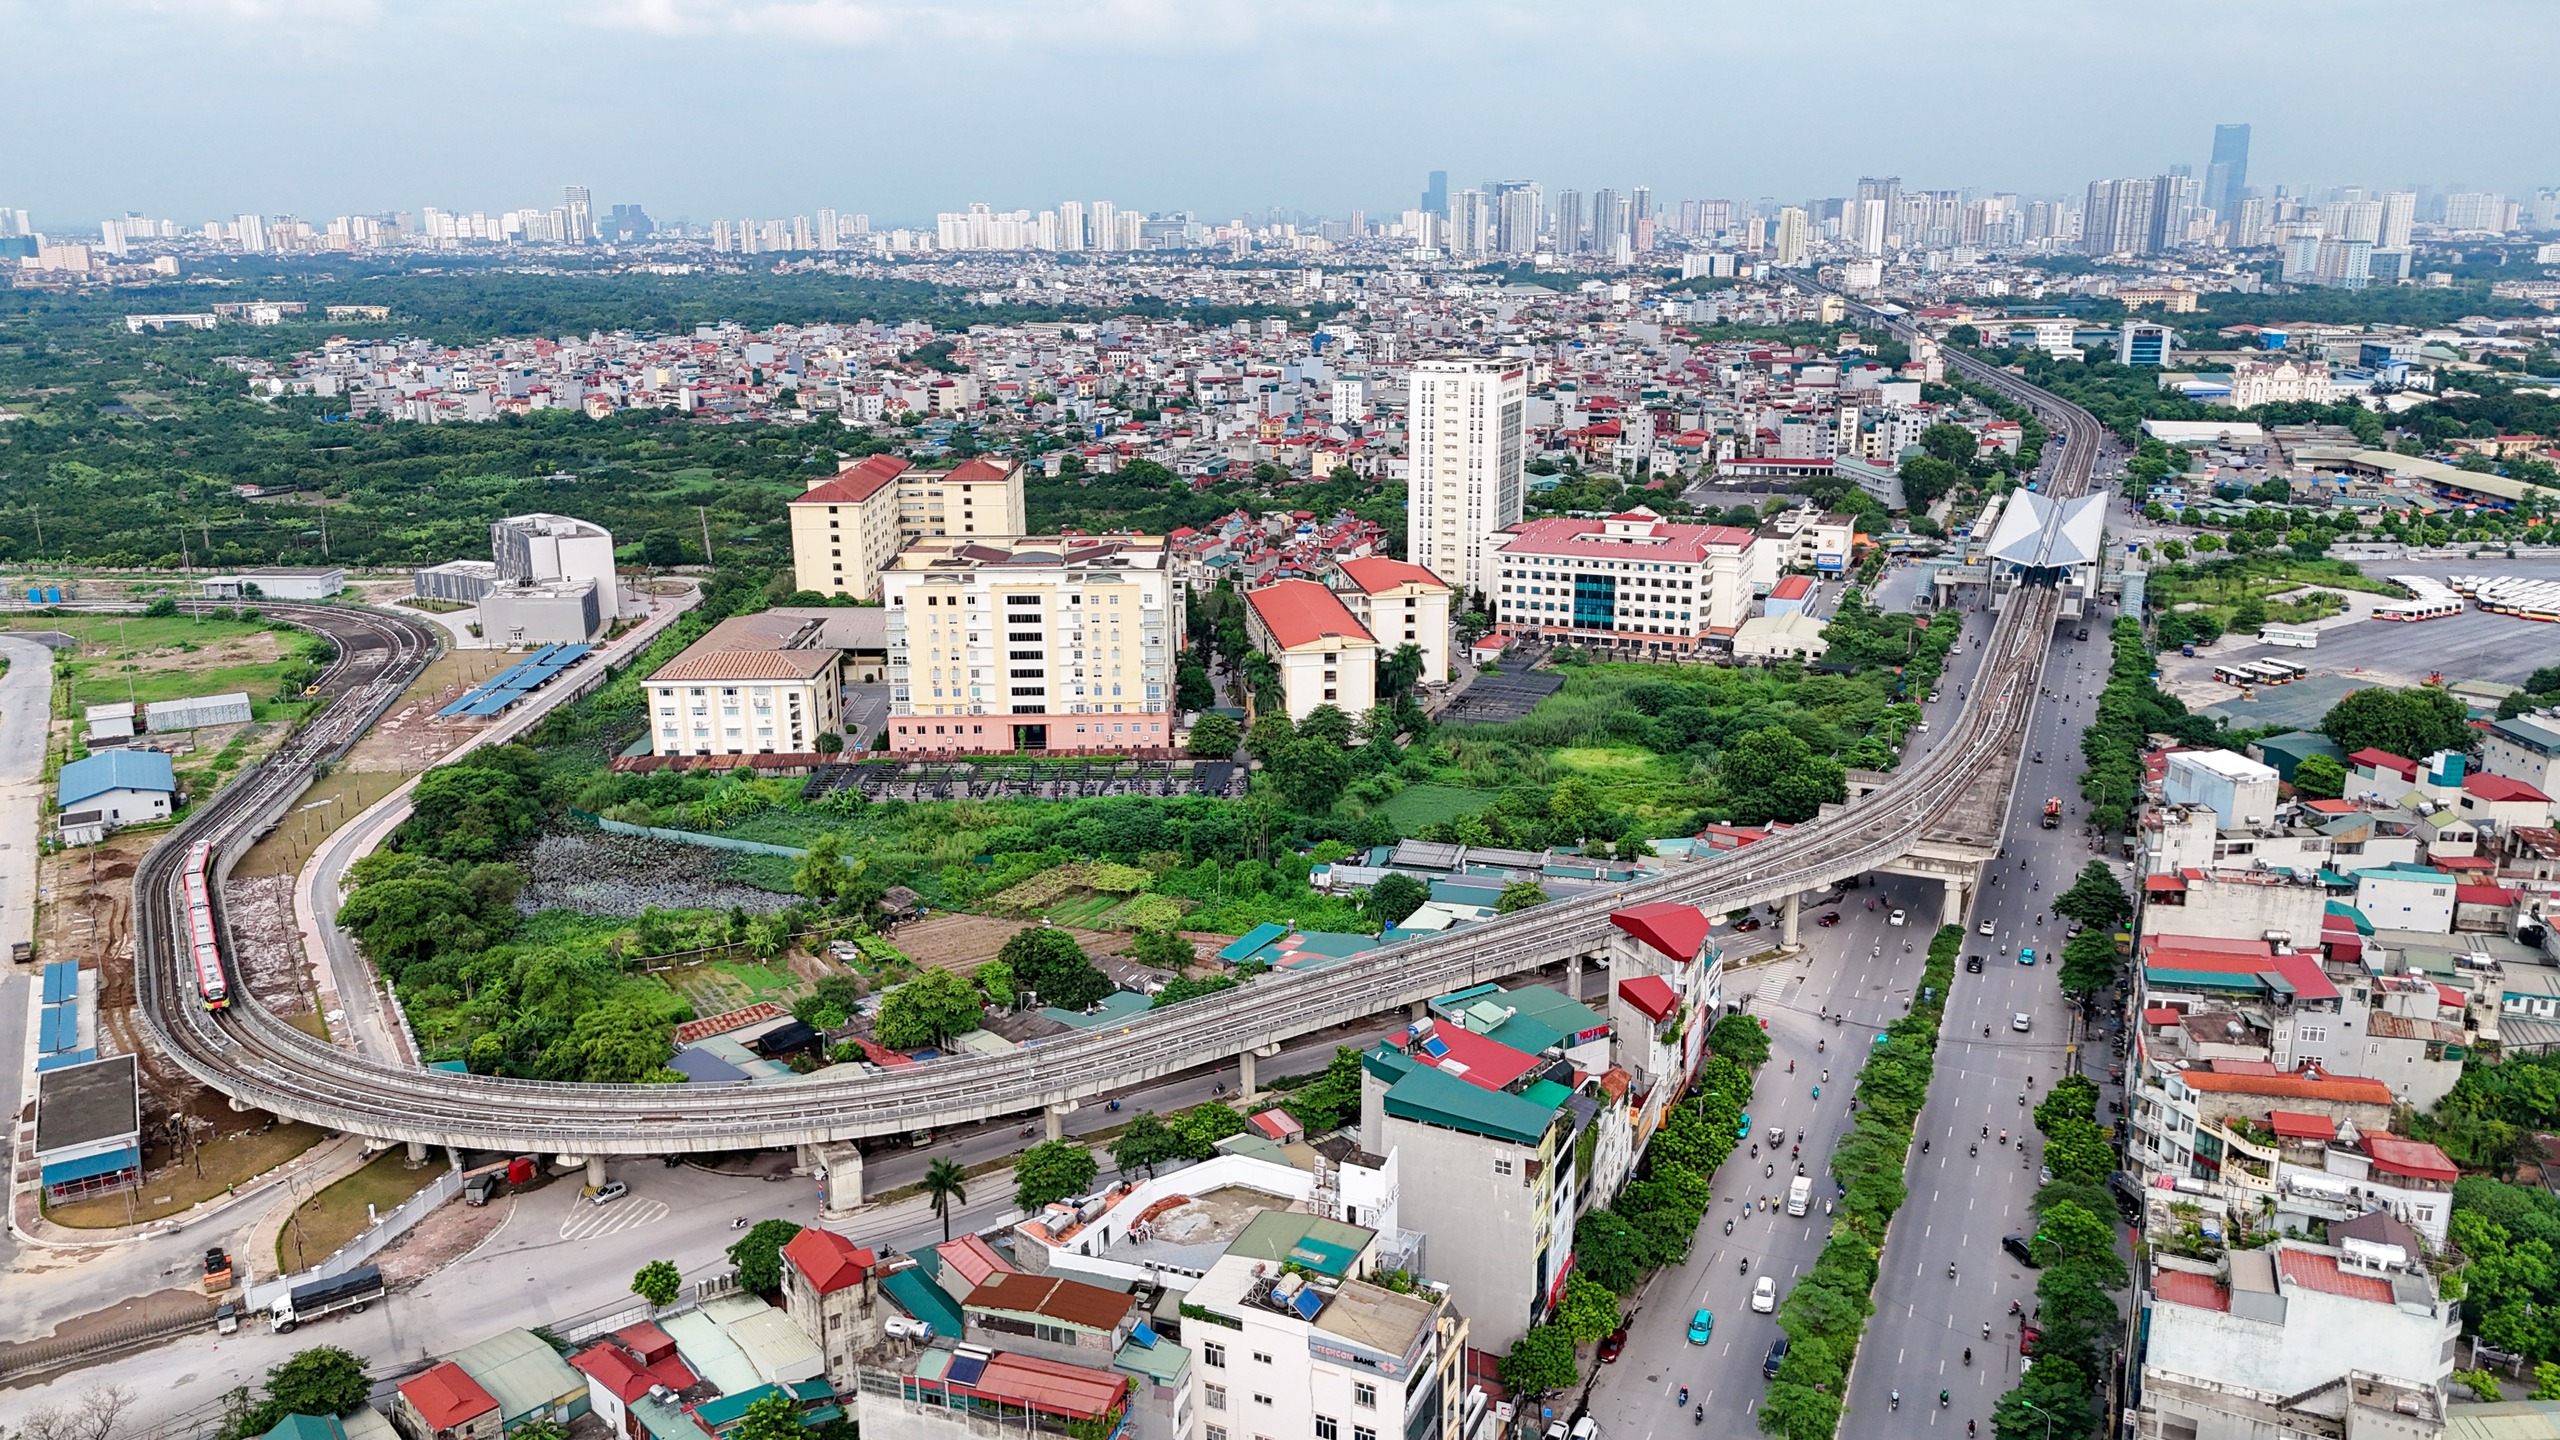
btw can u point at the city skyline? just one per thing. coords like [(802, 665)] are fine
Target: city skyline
[(308, 106)]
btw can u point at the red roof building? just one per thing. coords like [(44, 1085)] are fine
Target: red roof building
[(1678, 931), (2414, 1159), (828, 1261), (446, 1398), (1652, 996), (1301, 612)]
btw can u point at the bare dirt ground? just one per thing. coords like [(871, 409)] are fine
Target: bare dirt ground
[(623, 875), (962, 943), (140, 1310), (446, 1235), (266, 945)]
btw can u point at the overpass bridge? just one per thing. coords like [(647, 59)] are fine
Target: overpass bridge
[(1937, 815)]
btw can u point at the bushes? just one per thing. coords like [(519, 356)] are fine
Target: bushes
[(1827, 1311)]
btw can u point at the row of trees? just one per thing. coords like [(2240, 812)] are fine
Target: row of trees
[(1826, 1313), (2079, 1272), (1653, 1220)]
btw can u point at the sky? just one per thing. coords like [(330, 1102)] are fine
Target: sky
[(196, 109)]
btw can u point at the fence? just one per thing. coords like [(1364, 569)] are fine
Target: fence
[(34, 1357), (686, 837), (365, 1246)]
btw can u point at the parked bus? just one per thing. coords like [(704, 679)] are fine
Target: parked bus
[(2292, 637)]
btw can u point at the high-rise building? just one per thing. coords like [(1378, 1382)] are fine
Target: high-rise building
[(2142, 343), (2399, 209), (1519, 213), (1464, 425), (2476, 211), (1608, 222), (2117, 219), (2175, 199), (1106, 227), (582, 215), (2356, 220), (1435, 195), (1794, 239), (253, 233), (1470, 223), (2226, 179), (1885, 191), (1640, 216), (1071, 225), (1568, 222)]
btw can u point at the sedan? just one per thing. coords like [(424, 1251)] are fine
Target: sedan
[(1973, 964), (1702, 1326), (1764, 1296), (1743, 1130), (1987, 928), (1827, 919), (610, 1192), (1896, 918), (2019, 1022), (1613, 1346), (2026, 954), (1749, 923)]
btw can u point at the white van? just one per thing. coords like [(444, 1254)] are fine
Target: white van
[(1799, 1194)]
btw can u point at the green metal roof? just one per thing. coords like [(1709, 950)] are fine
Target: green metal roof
[(1328, 1247), (1430, 1097), (924, 1300)]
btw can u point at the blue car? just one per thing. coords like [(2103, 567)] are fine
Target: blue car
[(1743, 1131), (1702, 1326), (2026, 954)]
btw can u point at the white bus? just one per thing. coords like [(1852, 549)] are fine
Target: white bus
[(2293, 637)]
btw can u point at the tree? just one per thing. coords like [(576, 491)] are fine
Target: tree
[(1772, 774), (1399, 671), (1951, 443), (770, 1417), (1519, 895), (1740, 1039), (1191, 688), (2053, 1399), (1052, 1170), (1049, 963), (2096, 899), (1145, 1143), (100, 1408), (2088, 963), (1311, 771), (1614, 1253), (1588, 1310), (1540, 1362), (1925, 478), (757, 1255), (2409, 723), (659, 1282), (1327, 725), (2249, 615), (1215, 737), (1162, 949), (927, 1010), (1271, 730), (1201, 1127), (994, 980), (945, 1184), (1395, 896), (2319, 777)]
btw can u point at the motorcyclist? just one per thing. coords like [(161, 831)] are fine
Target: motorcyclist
[(1968, 1354), (1684, 1394)]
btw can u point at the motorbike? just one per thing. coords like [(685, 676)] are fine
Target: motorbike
[(1817, 1092), (1684, 1394), (1951, 1269), (1728, 1225), (1702, 1415), (1025, 1131), (1897, 1399), (1973, 1147), (1943, 1399), (1968, 1354), (738, 1224), (1746, 1265), (1114, 1106)]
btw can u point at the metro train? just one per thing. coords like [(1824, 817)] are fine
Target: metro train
[(211, 987)]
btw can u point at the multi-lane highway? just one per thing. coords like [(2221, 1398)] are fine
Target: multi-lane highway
[(254, 1057)]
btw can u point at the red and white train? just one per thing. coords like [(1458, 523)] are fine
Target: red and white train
[(211, 987)]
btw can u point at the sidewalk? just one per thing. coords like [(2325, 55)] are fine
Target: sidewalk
[(318, 1166)]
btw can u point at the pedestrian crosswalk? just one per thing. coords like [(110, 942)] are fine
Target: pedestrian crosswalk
[(587, 1222)]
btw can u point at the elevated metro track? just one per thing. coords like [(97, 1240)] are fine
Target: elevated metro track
[(260, 1061)]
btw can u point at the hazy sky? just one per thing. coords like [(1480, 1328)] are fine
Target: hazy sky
[(196, 108)]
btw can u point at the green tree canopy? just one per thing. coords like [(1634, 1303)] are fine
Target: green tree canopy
[(927, 1010), (2319, 777), (1772, 774), (2089, 963), (757, 1255), (2412, 724), (1052, 1170), (2096, 899), (1049, 963), (1144, 1143), (1588, 1311), (658, 1282), (770, 1417), (1215, 737), (1540, 1362), (1519, 895)]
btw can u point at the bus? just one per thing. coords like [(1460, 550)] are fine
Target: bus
[(2292, 637), (2411, 611), (2279, 672), (2237, 672)]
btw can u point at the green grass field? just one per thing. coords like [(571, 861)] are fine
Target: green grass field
[(1418, 805), (1604, 760), (172, 658)]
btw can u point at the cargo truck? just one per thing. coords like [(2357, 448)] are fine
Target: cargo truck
[(1799, 1194), (2053, 813), (352, 1291)]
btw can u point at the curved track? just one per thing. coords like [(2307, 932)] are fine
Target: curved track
[(257, 1059)]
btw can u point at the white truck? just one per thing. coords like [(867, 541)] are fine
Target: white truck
[(352, 1291), (1799, 1194)]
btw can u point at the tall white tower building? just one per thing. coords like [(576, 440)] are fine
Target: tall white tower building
[(1466, 451)]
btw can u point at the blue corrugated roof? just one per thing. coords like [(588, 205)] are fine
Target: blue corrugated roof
[(59, 1029), (115, 770), (67, 1057), (61, 981), (1252, 940)]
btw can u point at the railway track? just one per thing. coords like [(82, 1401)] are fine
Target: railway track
[(254, 1057)]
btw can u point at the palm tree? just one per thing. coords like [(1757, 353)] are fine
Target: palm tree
[(944, 1183)]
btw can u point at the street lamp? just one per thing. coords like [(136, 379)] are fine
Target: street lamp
[(2047, 1414)]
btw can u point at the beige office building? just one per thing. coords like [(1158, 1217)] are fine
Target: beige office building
[(766, 684), (1465, 456), (846, 529), (1041, 643), (1401, 604)]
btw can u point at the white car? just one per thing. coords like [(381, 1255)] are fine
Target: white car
[(611, 1191), (2019, 1021), (1764, 1296), (1987, 928), (1894, 919)]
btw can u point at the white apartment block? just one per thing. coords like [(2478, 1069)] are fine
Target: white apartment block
[(1401, 605), (1040, 643), (1464, 420), (1324, 654), (756, 685), (1633, 581)]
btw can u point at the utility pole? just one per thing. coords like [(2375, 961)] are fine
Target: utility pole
[(702, 512)]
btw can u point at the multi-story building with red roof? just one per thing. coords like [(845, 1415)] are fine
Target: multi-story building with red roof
[(1633, 581)]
